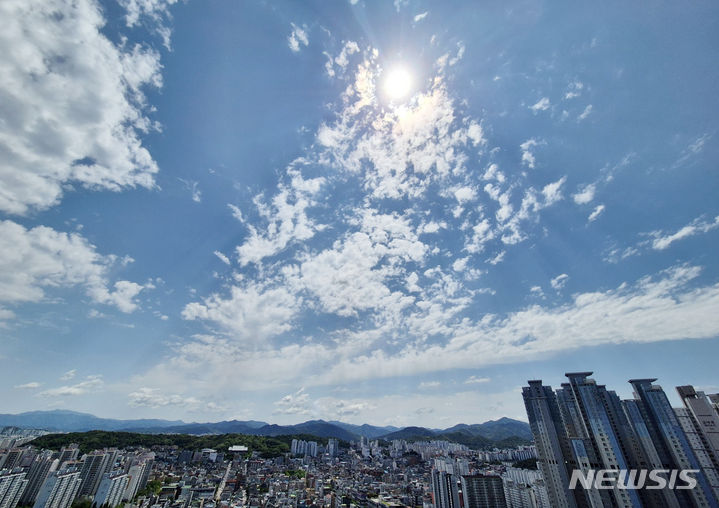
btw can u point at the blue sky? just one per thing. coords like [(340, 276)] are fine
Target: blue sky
[(214, 209)]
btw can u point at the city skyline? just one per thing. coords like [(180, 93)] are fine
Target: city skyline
[(391, 213)]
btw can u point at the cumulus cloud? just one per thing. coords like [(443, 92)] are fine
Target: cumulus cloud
[(67, 376), (285, 219), (41, 259), (88, 135), (528, 158), (367, 265), (666, 306), (585, 194), (374, 267), (419, 17), (251, 313), (476, 380), (652, 309)]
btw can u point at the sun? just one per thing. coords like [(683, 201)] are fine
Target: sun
[(397, 83)]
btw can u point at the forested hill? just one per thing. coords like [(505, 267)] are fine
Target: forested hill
[(98, 439)]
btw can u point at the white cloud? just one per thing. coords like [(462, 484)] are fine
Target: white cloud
[(536, 290), (193, 187), (528, 158), (252, 313), (559, 281), (297, 38), (459, 55), (476, 380), (429, 384), (294, 403), (585, 194), (154, 398), (236, 213), (285, 217), (29, 386), (476, 134), (378, 258), (421, 16), (342, 59), (41, 259), (464, 194), (653, 309), (574, 90), (460, 264), (222, 257), (87, 135), (155, 10), (497, 259), (598, 210), (552, 192), (584, 114), (659, 308), (541, 105), (663, 240), (67, 376), (91, 384)]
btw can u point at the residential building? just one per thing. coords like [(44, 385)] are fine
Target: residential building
[(111, 489), (59, 490), (483, 491), (12, 486)]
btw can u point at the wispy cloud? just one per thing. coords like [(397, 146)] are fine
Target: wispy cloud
[(598, 210), (222, 257), (541, 105), (662, 240), (29, 386), (584, 114), (194, 189), (297, 38), (559, 281), (154, 398), (90, 384)]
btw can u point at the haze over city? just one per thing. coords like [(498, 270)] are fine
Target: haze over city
[(392, 213)]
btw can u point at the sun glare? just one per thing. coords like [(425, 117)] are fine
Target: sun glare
[(397, 83)]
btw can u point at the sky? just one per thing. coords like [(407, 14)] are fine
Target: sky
[(378, 212)]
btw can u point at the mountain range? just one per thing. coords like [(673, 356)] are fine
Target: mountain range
[(503, 431)]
